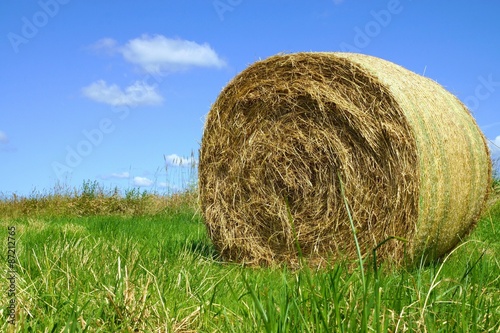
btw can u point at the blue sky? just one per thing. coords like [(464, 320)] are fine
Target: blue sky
[(115, 90)]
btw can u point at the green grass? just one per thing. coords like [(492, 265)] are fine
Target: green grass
[(149, 266)]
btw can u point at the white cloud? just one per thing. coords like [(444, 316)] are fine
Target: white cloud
[(497, 141), (154, 54), (176, 160), (170, 187), (142, 181), (105, 45), (158, 54), (121, 175), (3, 137), (494, 146), (137, 94), (117, 175)]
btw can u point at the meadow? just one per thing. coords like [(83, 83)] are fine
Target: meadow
[(95, 260)]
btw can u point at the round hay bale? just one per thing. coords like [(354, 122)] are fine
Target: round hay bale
[(296, 143)]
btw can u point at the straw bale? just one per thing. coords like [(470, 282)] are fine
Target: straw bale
[(297, 142)]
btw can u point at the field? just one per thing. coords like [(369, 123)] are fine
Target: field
[(95, 261)]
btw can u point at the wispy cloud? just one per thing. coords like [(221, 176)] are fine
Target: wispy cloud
[(170, 187), (5, 146), (4, 138), (161, 54), (136, 94), (142, 182), (494, 146), (121, 175), (117, 175), (176, 160), (107, 46), (489, 125)]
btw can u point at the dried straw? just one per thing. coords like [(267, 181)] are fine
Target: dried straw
[(284, 134)]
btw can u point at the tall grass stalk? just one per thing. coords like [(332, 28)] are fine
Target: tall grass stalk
[(353, 228)]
